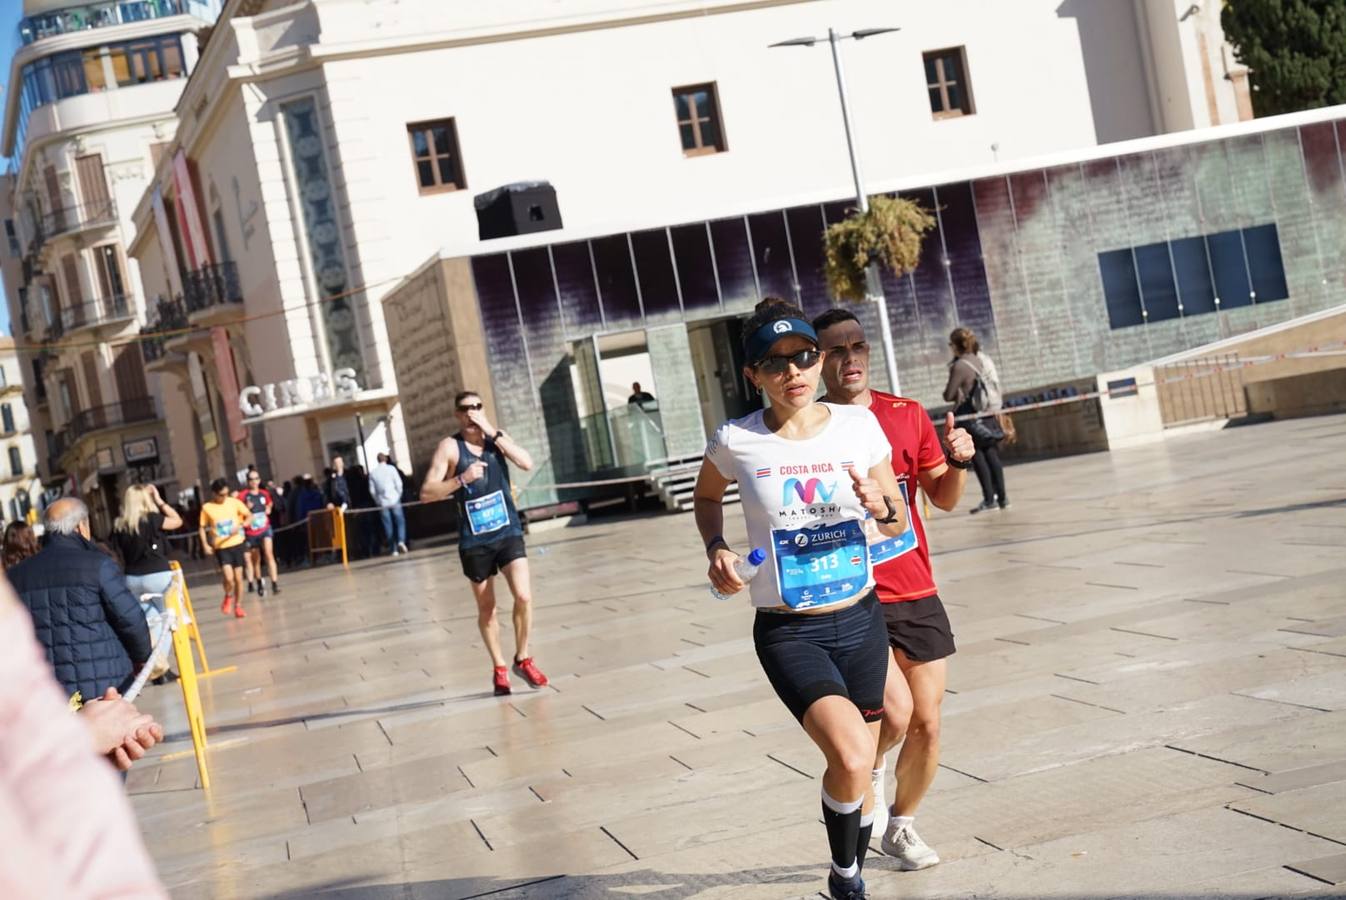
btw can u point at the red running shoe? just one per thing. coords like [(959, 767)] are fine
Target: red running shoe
[(238, 611), (529, 672), (501, 681), (227, 607)]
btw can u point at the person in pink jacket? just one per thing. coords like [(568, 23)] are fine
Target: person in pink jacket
[(66, 828)]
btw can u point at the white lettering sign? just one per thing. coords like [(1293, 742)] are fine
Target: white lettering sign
[(296, 394)]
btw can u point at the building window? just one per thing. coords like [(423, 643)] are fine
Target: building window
[(946, 80), (109, 271), (699, 125), (434, 150), (7, 418), (13, 238), (1192, 276), (15, 461), (151, 59)]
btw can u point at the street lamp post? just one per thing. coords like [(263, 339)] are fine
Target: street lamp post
[(873, 288)]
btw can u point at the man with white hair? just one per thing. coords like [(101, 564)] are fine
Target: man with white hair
[(91, 626)]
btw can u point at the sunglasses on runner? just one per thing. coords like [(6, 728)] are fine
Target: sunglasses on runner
[(469, 407), (777, 365)]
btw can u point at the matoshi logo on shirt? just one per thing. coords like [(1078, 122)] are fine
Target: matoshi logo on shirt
[(807, 492)]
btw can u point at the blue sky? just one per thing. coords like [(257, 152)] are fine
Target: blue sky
[(10, 11)]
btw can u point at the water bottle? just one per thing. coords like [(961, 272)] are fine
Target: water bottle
[(746, 567)]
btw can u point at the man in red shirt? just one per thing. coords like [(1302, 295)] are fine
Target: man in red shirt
[(918, 628)]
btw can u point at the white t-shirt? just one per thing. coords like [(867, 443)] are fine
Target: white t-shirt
[(800, 504)]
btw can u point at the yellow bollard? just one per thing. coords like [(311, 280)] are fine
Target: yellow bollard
[(341, 535), (193, 630), (191, 695)]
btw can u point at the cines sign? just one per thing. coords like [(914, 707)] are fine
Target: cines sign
[(295, 395)]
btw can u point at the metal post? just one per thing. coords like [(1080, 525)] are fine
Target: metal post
[(873, 287)]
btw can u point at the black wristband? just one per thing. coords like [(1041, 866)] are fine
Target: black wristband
[(717, 540), (958, 463)]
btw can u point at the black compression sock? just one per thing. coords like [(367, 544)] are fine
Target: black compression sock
[(862, 841), (842, 819)]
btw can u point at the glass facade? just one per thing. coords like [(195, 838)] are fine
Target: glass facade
[(103, 15), (91, 70)]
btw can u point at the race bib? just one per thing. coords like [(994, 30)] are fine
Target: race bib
[(224, 528), (487, 514), (258, 521), (821, 565), (883, 548)]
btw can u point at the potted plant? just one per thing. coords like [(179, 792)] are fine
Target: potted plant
[(890, 234)]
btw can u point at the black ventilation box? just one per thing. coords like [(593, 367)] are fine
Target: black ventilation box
[(519, 208)]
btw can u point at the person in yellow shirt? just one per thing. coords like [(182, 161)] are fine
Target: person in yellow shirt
[(223, 519)]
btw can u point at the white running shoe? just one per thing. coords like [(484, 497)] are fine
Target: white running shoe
[(880, 803), (403, 547), (905, 845)]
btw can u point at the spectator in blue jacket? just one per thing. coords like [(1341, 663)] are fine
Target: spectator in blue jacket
[(89, 623)]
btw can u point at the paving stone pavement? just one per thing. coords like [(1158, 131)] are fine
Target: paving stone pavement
[(1149, 699)]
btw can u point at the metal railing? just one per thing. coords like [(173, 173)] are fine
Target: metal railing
[(170, 315), (75, 218), (95, 312), (111, 415), (209, 286), (88, 16)]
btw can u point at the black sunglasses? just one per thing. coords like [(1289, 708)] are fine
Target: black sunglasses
[(469, 407), (776, 365)]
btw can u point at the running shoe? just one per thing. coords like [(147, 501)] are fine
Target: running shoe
[(1004, 504), (839, 888), (250, 587), (238, 611), (984, 506), (529, 672), (261, 588), (880, 803), (227, 607), (903, 844), (502, 681), (275, 587), (403, 547)]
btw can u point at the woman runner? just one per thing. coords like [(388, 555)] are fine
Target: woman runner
[(809, 476)]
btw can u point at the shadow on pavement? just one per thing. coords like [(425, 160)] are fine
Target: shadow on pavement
[(795, 882)]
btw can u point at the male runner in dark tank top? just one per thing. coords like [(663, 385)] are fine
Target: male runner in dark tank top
[(472, 468)]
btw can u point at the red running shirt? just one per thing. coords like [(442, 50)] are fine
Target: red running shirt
[(256, 501), (916, 449)]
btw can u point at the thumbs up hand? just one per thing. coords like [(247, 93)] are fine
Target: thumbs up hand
[(957, 442), (869, 494)]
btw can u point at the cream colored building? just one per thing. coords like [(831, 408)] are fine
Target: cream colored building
[(336, 145), (20, 483), (89, 110)]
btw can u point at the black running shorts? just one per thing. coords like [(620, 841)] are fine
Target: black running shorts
[(485, 560), (919, 628), (230, 556), (807, 657)]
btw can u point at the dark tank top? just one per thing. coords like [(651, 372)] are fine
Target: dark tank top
[(486, 513)]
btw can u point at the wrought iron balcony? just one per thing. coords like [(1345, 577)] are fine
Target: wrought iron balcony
[(211, 286), (89, 16), (111, 415), (77, 218), (95, 312), (170, 316)]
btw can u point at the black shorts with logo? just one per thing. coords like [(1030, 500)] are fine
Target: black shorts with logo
[(808, 657), (919, 628), (485, 560), (230, 556)]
